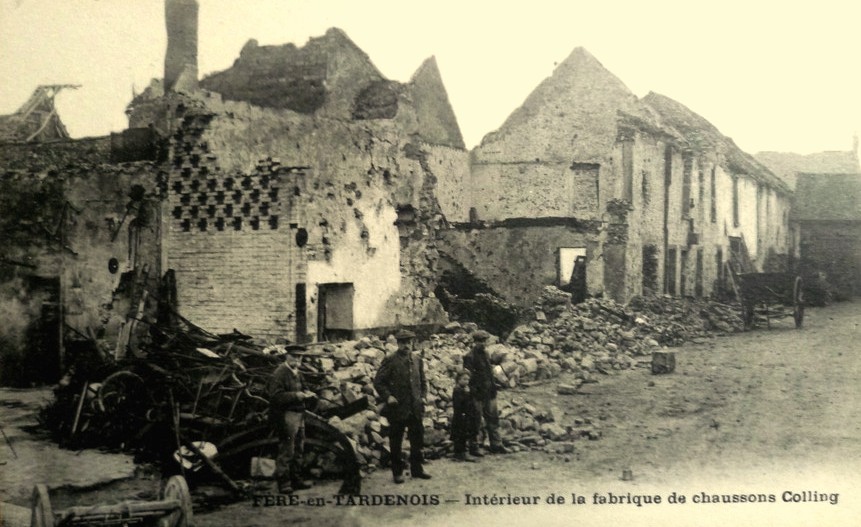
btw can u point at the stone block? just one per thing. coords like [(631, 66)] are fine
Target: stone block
[(663, 362), (568, 389)]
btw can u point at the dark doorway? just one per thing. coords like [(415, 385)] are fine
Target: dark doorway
[(301, 314), (650, 269), (35, 355), (698, 279), (683, 274), (670, 266), (335, 311)]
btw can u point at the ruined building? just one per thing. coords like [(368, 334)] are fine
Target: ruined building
[(651, 194), (296, 195), (304, 189), (79, 246), (37, 120)]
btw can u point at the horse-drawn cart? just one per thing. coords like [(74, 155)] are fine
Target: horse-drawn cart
[(769, 296)]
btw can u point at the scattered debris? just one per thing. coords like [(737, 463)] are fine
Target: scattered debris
[(190, 385)]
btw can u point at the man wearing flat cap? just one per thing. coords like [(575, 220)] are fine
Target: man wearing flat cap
[(483, 392), (400, 383), (287, 399)]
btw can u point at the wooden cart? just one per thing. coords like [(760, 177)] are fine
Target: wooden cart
[(769, 295), (172, 510)]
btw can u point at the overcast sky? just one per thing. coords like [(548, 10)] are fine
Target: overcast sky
[(768, 74)]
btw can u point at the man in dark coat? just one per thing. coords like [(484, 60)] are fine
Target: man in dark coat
[(483, 392), (286, 416), (400, 383)]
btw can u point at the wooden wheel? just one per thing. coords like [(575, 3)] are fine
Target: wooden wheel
[(176, 488), (120, 390), (798, 302), (42, 513)]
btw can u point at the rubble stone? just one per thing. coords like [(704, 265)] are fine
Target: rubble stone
[(663, 362)]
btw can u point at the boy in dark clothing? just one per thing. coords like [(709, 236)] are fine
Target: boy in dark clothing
[(465, 418)]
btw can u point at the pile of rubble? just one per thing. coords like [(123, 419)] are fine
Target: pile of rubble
[(350, 368), (218, 382), (583, 339)]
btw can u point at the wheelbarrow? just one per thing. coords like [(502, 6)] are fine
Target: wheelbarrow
[(172, 510)]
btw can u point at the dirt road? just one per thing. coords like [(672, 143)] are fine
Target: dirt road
[(770, 415), (772, 412)]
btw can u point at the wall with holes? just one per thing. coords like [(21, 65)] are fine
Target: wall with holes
[(261, 201)]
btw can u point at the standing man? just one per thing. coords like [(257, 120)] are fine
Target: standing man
[(286, 416), (400, 383), (483, 392)]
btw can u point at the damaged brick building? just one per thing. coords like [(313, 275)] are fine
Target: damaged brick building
[(296, 195), (304, 189), (651, 194)]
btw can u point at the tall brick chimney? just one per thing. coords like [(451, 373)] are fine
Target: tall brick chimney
[(180, 61)]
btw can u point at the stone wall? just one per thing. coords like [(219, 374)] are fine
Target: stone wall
[(536, 189), (31, 157), (516, 260), (75, 229), (453, 188), (834, 249)]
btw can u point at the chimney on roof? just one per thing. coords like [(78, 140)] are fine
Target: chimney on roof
[(180, 61)]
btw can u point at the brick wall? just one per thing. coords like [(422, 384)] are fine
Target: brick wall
[(230, 170)]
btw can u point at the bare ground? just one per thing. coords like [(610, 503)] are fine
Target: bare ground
[(772, 412)]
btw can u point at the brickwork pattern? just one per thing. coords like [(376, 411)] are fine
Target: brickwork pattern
[(233, 239)]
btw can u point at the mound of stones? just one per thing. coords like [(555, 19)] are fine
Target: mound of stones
[(583, 340)]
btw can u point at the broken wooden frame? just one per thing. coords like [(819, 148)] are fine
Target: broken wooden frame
[(190, 385)]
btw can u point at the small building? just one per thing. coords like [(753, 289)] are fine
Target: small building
[(827, 215), (79, 245)]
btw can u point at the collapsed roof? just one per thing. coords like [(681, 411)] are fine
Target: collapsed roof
[(37, 119), (332, 77)]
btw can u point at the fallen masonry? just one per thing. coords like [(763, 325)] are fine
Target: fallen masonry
[(189, 387)]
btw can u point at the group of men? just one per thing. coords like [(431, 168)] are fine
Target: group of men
[(402, 387)]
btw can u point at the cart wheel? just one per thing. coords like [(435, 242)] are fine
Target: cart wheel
[(43, 514), (119, 390), (177, 489), (798, 302)]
